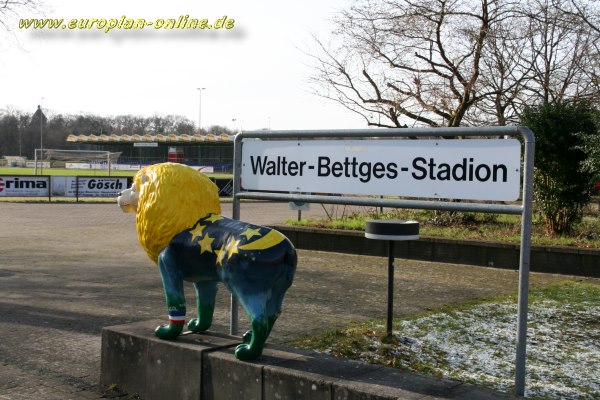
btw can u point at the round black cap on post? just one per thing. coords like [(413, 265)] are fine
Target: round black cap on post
[(393, 229)]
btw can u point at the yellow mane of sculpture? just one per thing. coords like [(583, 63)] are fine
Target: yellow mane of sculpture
[(172, 197)]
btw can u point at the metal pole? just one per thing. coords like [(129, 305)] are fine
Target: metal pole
[(237, 169), (41, 137), (523, 302), (390, 203), (385, 133), (390, 306)]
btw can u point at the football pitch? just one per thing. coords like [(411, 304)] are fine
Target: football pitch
[(63, 172), (79, 172)]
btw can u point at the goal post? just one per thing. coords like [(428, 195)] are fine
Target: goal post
[(87, 159)]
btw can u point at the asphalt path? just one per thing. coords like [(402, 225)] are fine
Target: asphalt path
[(67, 270)]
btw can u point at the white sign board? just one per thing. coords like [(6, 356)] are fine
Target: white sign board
[(206, 169), (299, 206), (40, 164), (24, 186), (474, 169), (145, 144)]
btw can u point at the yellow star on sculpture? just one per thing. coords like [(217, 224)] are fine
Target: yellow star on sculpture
[(220, 256), (197, 231), (249, 233), (206, 244), (213, 218), (232, 247)]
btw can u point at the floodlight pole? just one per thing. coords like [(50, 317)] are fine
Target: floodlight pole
[(200, 110)]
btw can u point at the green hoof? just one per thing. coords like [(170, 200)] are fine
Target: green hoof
[(196, 326), (168, 331), (247, 337), (245, 353)]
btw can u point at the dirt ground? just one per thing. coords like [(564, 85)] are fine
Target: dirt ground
[(67, 270)]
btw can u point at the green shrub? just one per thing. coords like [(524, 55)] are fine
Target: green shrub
[(564, 167)]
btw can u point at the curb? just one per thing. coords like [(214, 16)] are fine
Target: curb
[(555, 259), (203, 366)]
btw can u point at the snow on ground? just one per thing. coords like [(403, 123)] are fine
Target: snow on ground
[(478, 345)]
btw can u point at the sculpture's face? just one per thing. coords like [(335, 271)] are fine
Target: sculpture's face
[(128, 199)]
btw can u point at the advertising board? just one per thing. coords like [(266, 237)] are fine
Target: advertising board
[(474, 169), (24, 186), (79, 165), (94, 187), (69, 186)]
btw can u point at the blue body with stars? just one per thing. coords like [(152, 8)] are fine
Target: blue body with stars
[(256, 263)]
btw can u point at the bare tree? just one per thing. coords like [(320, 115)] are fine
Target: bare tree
[(504, 72), (542, 54), (452, 63), (587, 15), (563, 54), (131, 124), (11, 10), (165, 124), (588, 12), (10, 13)]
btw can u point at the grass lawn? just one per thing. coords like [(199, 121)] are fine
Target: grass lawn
[(468, 226), (475, 342)]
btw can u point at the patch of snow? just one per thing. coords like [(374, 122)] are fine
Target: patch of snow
[(478, 345)]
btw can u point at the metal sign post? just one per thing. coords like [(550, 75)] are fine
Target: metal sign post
[(436, 173)]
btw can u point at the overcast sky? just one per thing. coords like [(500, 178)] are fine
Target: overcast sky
[(258, 69)]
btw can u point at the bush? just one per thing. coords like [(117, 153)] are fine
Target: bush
[(564, 167)]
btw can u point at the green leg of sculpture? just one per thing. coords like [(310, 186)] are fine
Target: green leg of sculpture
[(273, 309), (174, 328), (253, 349), (174, 295), (206, 293), (247, 337)]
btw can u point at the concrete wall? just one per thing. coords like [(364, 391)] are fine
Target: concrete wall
[(204, 367), (560, 260)]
